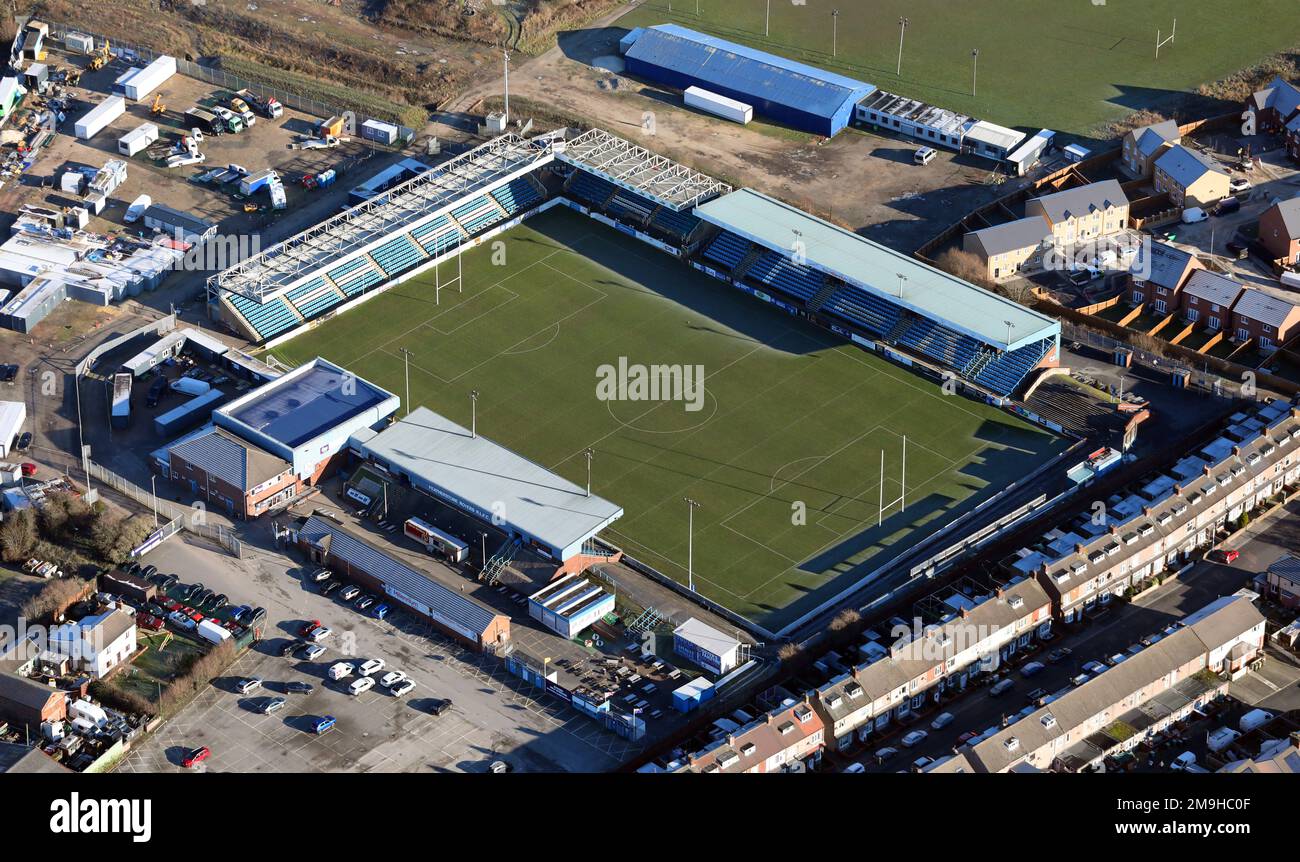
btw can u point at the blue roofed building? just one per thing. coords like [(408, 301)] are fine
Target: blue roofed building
[(793, 93)]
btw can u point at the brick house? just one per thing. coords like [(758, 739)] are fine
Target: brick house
[(772, 743), (1291, 137), (1007, 250), (1207, 299), (97, 644), (1266, 319), (1274, 106), (232, 474), (1158, 274), (1084, 213), (26, 702), (1189, 178), (1145, 144), (1279, 231)]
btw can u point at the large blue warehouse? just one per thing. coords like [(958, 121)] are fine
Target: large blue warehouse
[(792, 93)]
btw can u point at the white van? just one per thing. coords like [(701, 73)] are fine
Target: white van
[(361, 685), (1192, 215), (924, 156), (340, 669)]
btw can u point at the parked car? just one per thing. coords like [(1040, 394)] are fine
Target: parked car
[(319, 634), (1117, 658), (438, 707), (1227, 206), (914, 738), (320, 575), (392, 678), (196, 756), (313, 651), (1224, 555), (371, 666), (150, 622), (322, 724), (1057, 654), (854, 769), (273, 705), (402, 687), (1032, 668), (921, 763), (329, 587), (29, 469), (1094, 667), (967, 737), (1192, 215), (24, 440), (291, 647), (1036, 695), (1238, 184), (943, 720), (1080, 679), (364, 602), (308, 627), (885, 753), (1002, 687), (924, 156), (350, 592), (299, 687), (361, 685), (340, 669), (252, 683), (380, 611)]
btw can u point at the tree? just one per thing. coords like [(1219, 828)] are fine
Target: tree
[(965, 266), (845, 619), (18, 536)]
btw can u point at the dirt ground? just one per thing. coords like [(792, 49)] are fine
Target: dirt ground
[(859, 180)]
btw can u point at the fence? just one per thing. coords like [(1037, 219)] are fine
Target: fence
[(217, 77), (183, 516)]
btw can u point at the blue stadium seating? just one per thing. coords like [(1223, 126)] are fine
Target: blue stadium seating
[(939, 343), (590, 188), (678, 225), (339, 273), (321, 302), (863, 309), (398, 255), (728, 250), (774, 270), (370, 276), (517, 195), (437, 235), (629, 206), (1007, 370), (302, 290), (477, 214), (355, 276), (268, 319)]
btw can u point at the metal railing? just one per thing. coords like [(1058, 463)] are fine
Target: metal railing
[(184, 516)]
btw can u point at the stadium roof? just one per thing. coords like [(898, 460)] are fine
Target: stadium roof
[(872, 267), (649, 174), (306, 402), (405, 205), (490, 478), (458, 612), (778, 80)]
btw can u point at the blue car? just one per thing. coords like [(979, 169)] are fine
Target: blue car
[(323, 724), (381, 611)]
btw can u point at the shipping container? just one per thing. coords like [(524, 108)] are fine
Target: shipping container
[(187, 415), (137, 139), (79, 43), (12, 416), (150, 78), (254, 182), (384, 133), (120, 411), (98, 118), (719, 106)]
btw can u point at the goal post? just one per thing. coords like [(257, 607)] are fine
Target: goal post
[(901, 499), (1160, 43)]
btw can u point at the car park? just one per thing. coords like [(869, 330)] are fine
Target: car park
[(914, 738), (402, 687), (195, 756), (273, 705), (361, 685)]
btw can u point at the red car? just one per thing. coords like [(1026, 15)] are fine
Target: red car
[(150, 622), (1221, 555), (196, 616), (967, 737), (196, 756), (169, 604), (308, 628)]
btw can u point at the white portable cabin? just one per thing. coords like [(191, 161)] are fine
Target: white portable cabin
[(98, 118), (1028, 154), (718, 105), (137, 139), (12, 416), (79, 43), (384, 133), (150, 78)]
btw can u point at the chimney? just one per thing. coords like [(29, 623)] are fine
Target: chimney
[(1178, 490), (964, 613), (999, 592), (1206, 471), (1146, 510), (1078, 547), (731, 740), (1113, 529), (1236, 451)]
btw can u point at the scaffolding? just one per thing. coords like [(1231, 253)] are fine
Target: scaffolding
[(635, 168)]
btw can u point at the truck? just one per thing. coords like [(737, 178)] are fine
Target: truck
[(212, 632), (269, 106), (204, 121), (256, 181), (120, 412)]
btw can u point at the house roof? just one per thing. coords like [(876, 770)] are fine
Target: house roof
[(230, 459), (1279, 95), (1161, 264), (1264, 307), (754, 743), (1212, 627), (1012, 236), (1287, 567), (1289, 211), (25, 692), (1072, 203), (1150, 138), (458, 612), (1212, 287), (1185, 166), (19, 759)]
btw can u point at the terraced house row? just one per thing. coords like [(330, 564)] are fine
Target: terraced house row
[(1131, 537)]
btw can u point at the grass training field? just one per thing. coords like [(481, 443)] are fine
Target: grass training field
[(784, 456), (1068, 65)]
